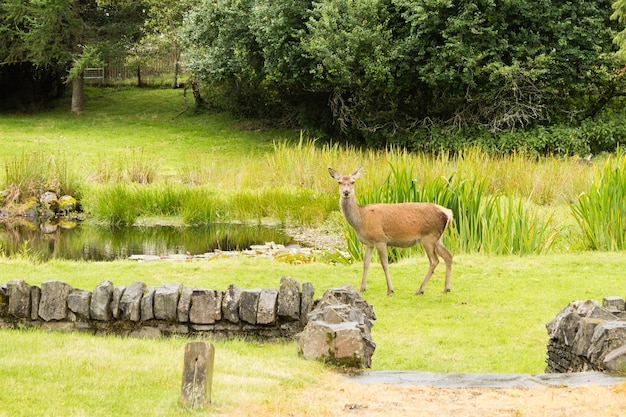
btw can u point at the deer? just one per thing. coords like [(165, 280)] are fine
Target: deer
[(399, 225)]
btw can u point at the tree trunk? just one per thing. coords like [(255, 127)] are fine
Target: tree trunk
[(78, 94)]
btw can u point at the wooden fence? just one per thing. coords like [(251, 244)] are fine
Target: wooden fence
[(118, 69)]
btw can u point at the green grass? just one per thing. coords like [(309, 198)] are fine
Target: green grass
[(201, 167), (492, 321)]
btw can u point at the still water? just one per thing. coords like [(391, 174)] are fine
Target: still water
[(97, 243)]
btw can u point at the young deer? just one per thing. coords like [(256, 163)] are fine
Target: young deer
[(400, 225)]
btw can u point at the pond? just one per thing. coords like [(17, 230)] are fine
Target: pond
[(98, 243)]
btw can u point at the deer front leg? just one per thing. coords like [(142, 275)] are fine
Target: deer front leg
[(384, 261), (366, 264), (447, 257), (433, 261)]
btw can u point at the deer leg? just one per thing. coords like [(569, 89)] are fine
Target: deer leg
[(447, 257), (369, 250), (433, 262), (384, 261)]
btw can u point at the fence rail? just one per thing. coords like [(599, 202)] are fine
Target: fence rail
[(118, 69)]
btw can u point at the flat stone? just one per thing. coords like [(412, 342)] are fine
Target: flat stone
[(248, 305), (53, 302), (266, 313), (487, 380)]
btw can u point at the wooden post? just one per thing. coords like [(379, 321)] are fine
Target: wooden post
[(197, 375)]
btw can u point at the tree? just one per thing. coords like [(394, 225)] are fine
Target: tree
[(60, 36), (386, 71), (161, 29)]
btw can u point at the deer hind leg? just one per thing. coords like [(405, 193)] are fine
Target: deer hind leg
[(433, 260), (447, 257), (369, 250), (384, 261)]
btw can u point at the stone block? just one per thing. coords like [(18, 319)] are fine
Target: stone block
[(230, 304), (18, 292), (289, 298), (206, 306), (53, 302), (266, 311), (35, 297), (130, 302), (184, 305), (118, 292), (78, 302), (248, 305), (338, 330), (582, 341), (147, 304), (306, 301), (614, 304), (340, 344), (166, 301), (607, 336), (100, 307)]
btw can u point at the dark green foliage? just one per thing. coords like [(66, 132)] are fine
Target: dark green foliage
[(413, 73)]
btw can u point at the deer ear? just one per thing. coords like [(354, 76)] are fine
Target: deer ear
[(334, 173), (357, 173)]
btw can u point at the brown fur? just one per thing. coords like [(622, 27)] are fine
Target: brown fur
[(400, 225)]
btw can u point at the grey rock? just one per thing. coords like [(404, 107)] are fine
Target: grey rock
[(614, 304), (184, 304), (130, 302), (248, 305), (118, 292), (35, 297), (166, 301), (147, 304), (206, 306), (289, 298), (230, 304), (19, 298), (306, 301), (266, 313), (100, 307), (78, 303), (53, 302)]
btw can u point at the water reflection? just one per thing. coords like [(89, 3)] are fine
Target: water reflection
[(96, 243)]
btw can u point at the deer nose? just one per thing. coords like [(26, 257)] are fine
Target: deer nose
[(346, 193)]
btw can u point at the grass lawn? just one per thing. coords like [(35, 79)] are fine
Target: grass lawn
[(492, 321)]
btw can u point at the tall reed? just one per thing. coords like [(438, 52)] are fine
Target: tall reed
[(484, 222), (601, 211)]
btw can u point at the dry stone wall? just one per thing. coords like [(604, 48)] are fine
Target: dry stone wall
[(587, 336), (168, 309)]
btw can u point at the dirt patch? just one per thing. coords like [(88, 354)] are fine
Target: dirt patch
[(389, 400), (338, 397)]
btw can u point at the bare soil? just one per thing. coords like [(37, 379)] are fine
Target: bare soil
[(338, 397), (388, 400)]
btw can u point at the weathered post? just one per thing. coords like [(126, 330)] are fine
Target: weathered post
[(197, 375)]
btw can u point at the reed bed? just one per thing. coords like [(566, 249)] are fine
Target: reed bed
[(503, 204)]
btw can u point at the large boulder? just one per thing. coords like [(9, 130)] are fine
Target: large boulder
[(338, 331), (586, 336)]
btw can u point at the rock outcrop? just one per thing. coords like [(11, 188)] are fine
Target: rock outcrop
[(338, 330)]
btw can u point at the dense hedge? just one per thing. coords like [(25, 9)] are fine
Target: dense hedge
[(419, 73)]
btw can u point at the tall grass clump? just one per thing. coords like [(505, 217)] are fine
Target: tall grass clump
[(30, 175), (601, 211), (122, 204), (114, 205), (483, 222), (130, 166)]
